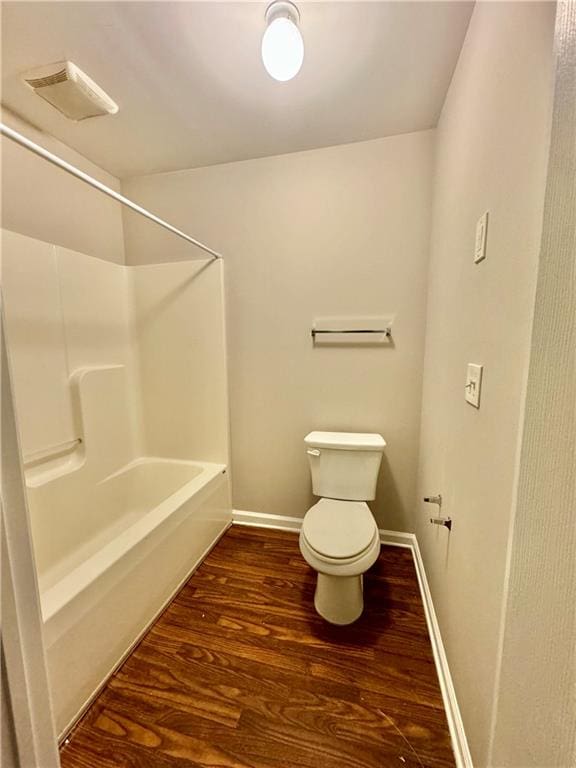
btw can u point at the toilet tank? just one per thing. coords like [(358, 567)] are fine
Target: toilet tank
[(344, 465)]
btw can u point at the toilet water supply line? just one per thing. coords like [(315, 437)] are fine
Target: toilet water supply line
[(73, 171), (445, 521)]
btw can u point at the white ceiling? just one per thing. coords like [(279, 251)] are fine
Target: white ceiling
[(192, 89)]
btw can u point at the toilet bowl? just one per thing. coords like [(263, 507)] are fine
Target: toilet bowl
[(339, 536), (339, 540)]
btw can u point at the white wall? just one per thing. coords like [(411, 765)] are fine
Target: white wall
[(337, 231), (44, 202), (492, 143)]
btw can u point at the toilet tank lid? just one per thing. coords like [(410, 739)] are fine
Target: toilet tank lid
[(349, 441)]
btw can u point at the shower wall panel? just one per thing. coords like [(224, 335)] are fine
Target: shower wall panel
[(65, 311), (37, 341), (179, 322), (164, 323)]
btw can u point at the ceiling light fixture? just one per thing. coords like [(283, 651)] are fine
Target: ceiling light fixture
[(282, 44)]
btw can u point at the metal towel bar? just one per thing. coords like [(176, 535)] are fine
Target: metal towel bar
[(382, 331)]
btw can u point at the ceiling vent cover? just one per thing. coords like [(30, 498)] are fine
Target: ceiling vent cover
[(70, 90)]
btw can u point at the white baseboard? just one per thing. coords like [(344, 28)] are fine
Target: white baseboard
[(396, 539), (284, 523), (261, 520), (455, 724)]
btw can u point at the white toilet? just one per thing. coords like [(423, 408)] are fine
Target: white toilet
[(339, 536)]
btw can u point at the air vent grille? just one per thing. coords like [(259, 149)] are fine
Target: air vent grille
[(67, 88), (41, 82)]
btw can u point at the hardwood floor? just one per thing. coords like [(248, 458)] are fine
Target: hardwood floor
[(240, 672)]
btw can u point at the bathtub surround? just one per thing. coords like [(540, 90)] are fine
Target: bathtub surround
[(341, 231), (492, 148), (179, 327), (94, 314), (65, 311), (124, 502), (43, 202)]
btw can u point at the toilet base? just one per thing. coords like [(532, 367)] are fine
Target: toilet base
[(339, 599)]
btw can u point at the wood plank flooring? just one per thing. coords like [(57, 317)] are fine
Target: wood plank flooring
[(240, 672)]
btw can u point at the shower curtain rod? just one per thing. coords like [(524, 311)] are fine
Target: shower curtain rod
[(71, 169)]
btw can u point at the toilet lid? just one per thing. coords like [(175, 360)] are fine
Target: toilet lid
[(339, 529)]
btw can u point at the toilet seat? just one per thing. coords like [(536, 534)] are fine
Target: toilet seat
[(339, 531)]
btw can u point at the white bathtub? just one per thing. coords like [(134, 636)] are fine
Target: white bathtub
[(116, 556)]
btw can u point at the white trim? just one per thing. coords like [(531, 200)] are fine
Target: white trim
[(25, 688), (263, 520), (397, 538), (409, 541), (455, 724), (285, 523)]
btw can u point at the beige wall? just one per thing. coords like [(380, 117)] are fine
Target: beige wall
[(44, 202), (492, 143), (535, 719), (341, 231)]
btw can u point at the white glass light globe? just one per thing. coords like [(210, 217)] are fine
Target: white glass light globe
[(282, 49)]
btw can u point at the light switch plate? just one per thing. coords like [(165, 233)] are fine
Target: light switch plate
[(473, 384), (481, 234)]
